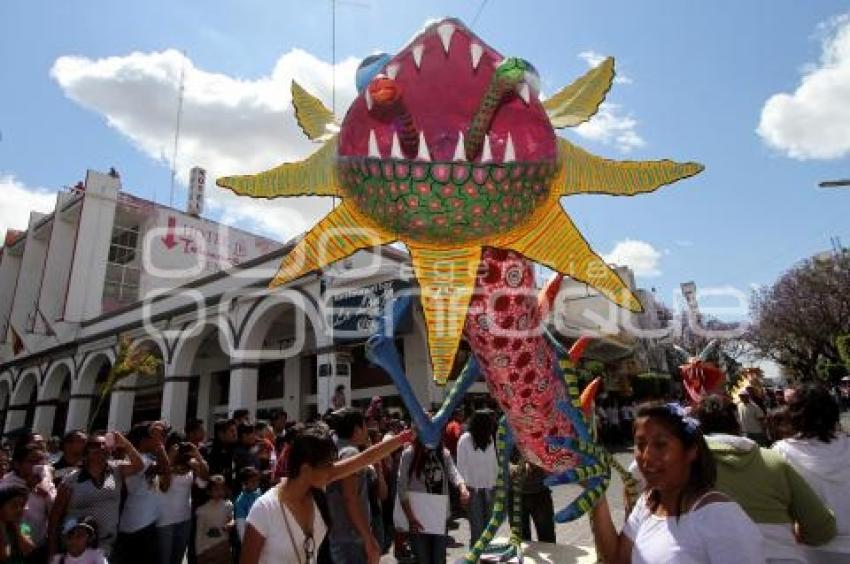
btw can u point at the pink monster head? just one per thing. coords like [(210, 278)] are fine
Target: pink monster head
[(438, 145)]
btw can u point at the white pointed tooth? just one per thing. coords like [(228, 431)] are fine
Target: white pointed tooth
[(533, 80), (373, 145), (423, 155), (460, 150), (417, 54), (392, 70), (524, 92), (368, 98), (486, 153), (446, 31), (395, 152), (510, 152), (475, 52)]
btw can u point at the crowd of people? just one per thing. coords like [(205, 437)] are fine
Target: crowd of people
[(358, 484), (717, 491), (256, 492)]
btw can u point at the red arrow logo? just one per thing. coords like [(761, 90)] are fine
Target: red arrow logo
[(169, 241)]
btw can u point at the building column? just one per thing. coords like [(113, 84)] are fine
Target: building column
[(15, 417), (43, 421), (325, 380), (175, 397), (79, 407), (243, 388), (292, 387), (203, 411), (121, 405), (417, 368)]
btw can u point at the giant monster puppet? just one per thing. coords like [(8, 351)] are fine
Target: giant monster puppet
[(449, 149)]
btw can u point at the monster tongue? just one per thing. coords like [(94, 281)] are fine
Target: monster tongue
[(504, 81), (386, 95)]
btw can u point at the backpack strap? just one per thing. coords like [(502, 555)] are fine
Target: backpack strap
[(711, 496)]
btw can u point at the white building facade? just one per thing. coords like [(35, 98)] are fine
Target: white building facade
[(193, 293)]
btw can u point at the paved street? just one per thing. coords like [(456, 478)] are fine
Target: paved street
[(575, 536)]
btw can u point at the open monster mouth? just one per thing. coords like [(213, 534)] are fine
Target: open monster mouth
[(447, 165), (445, 201)]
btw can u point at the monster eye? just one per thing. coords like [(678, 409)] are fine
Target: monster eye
[(369, 68), (532, 77)]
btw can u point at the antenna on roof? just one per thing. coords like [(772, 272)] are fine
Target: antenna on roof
[(177, 128)]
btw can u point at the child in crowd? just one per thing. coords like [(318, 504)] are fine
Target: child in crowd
[(215, 521), (251, 492), (15, 540), (266, 461), (80, 540)]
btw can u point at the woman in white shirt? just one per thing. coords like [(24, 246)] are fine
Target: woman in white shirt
[(137, 538), (173, 527), (680, 518), (478, 466), (287, 524), (821, 454)]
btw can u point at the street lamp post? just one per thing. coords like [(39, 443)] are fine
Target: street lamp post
[(835, 183)]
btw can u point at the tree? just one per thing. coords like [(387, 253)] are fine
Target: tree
[(842, 343), (798, 319), (129, 360)]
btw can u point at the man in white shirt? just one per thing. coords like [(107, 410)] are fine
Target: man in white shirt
[(612, 413), (752, 419), (627, 418)]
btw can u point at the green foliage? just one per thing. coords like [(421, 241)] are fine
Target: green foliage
[(651, 385), (800, 318), (595, 367), (831, 372), (842, 343), (128, 361)]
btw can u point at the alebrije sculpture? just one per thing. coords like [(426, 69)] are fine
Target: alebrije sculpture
[(449, 149), (701, 376)]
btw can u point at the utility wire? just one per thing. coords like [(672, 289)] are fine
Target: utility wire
[(477, 14)]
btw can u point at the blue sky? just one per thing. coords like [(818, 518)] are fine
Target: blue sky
[(751, 89)]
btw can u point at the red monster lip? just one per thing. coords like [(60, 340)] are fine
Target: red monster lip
[(442, 77)]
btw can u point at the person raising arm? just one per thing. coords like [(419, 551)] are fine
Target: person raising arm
[(289, 522)]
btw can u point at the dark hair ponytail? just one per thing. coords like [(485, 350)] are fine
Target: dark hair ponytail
[(321, 499), (481, 430), (345, 421), (312, 445)]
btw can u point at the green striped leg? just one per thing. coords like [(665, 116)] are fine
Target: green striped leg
[(631, 485), (504, 447)]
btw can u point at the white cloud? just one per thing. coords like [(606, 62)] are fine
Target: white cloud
[(813, 122), (19, 200), (592, 58), (610, 126), (229, 125), (640, 256)]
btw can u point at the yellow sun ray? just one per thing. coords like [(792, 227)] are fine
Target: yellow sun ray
[(579, 101), (584, 173), (314, 176), (553, 240), (446, 282), (312, 115), (341, 233)]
